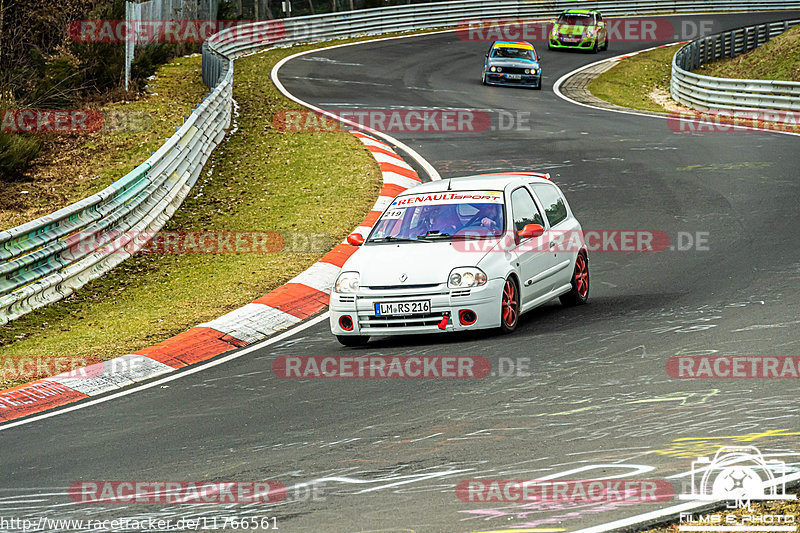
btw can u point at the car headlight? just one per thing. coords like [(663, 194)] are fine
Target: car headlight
[(347, 283), (591, 32), (464, 277), (499, 69), (554, 32), (527, 71), (493, 69)]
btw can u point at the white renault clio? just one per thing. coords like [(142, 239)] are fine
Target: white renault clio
[(461, 254)]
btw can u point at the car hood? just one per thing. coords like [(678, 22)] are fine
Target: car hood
[(510, 62), (422, 263), (566, 29)]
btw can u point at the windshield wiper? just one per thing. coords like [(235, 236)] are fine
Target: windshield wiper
[(390, 238)]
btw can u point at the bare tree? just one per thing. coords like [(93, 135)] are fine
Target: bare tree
[(311, 6)]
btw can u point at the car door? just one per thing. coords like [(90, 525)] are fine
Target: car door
[(563, 231), (534, 256)]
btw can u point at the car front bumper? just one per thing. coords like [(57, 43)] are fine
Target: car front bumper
[(583, 44), (483, 301), (532, 80)]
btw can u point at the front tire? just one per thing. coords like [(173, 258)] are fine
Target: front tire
[(596, 46), (538, 86), (483, 78), (509, 306), (579, 294), (352, 341)]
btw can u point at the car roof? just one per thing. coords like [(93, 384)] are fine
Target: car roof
[(581, 12), (513, 43), (492, 182)]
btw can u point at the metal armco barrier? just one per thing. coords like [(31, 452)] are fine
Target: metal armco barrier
[(710, 93), (47, 259)]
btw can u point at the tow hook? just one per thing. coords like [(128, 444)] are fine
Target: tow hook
[(444, 321)]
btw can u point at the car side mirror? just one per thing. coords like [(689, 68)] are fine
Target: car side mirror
[(355, 239), (530, 231)]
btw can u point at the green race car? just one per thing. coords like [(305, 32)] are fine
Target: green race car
[(582, 29)]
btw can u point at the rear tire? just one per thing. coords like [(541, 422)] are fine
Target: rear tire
[(579, 294), (352, 340), (509, 306)]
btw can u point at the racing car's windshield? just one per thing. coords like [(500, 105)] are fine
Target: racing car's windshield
[(513, 53), (441, 216), (574, 19)]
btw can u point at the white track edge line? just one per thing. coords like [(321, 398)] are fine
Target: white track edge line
[(667, 511), (562, 79), (176, 374), (421, 161)]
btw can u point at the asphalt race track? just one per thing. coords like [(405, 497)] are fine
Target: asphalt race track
[(386, 455)]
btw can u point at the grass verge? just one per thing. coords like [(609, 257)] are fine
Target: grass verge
[(72, 167), (634, 81), (300, 184), (779, 59), (642, 81)]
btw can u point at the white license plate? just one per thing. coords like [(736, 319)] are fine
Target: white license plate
[(403, 308), (514, 76)]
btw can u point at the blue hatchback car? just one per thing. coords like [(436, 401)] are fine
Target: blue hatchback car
[(512, 63)]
